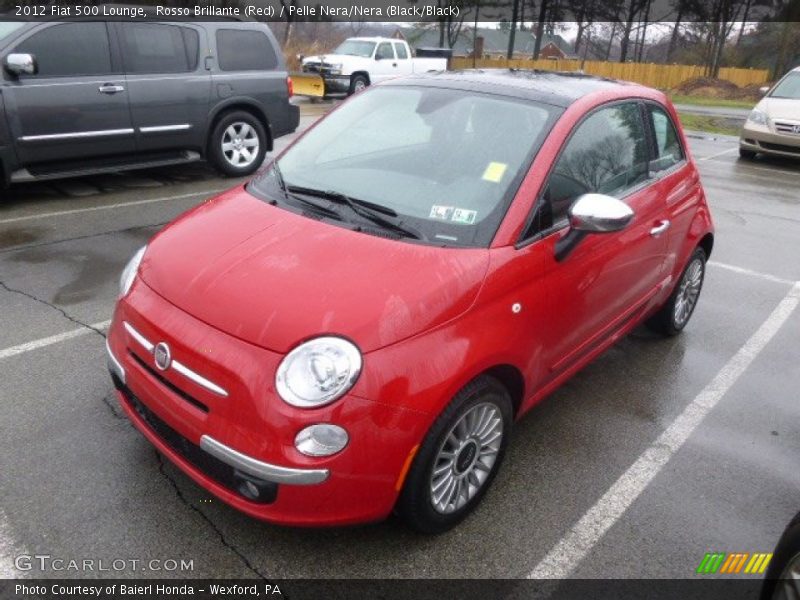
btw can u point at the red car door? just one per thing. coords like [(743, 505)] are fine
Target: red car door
[(609, 279)]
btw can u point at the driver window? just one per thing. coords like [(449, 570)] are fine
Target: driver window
[(607, 154), (385, 51)]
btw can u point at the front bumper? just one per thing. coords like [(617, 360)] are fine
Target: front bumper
[(766, 139), (240, 446)]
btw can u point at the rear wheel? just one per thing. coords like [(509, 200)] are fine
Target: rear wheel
[(459, 458), (675, 314), (237, 144), (782, 581), (746, 154), (358, 83)]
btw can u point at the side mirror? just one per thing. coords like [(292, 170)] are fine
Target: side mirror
[(378, 57), (21, 64), (301, 56), (763, 90), (592, 213)]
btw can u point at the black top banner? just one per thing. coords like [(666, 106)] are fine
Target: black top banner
[(577, 11)]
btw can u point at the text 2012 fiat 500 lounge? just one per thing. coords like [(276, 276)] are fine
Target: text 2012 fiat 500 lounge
[(355, 331)]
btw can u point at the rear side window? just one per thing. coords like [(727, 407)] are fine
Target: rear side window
[(70, 49), (241, 50), (385, 51), (155, 48), (401, 51), (607, 154), (668, 148)]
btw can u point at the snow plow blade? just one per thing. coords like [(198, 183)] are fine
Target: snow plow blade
[(308, 84)]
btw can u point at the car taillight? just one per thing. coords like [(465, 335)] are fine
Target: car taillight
[(290, 86)]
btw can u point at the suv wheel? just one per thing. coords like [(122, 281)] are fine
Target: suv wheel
[(675, 314), (238, 144), (746, 154), (459, 458)]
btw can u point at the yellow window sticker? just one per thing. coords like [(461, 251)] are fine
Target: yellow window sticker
[(494, 172)]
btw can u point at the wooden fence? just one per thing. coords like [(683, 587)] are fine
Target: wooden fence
[(658, 76)]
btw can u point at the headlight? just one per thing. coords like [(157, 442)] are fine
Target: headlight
[(335, 69), (758, 117), (129, 272), (318, 372)]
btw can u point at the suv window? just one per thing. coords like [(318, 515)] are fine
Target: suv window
[(385, 51), (668, 147), (245, 51), (400, 48), (607, 154), (70, 49), (155, 48)]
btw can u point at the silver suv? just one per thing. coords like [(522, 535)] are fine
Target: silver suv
[(94, 96)]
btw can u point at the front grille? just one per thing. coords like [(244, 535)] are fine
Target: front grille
[(168, 384), (214, 468), (781, 147), (787, 128)]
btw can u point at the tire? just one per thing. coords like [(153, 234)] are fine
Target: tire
[(472, 419), (237, 144), (746, 154), (785, 563), (675, 314), (357, 84)]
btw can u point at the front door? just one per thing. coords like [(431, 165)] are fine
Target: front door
[(609, 278), (76, 106), (385, 66)]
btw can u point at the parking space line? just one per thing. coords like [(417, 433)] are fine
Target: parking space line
[(751, 273), (53, 339), (73, 211), (745, 166), (710, 156), (571, 549)]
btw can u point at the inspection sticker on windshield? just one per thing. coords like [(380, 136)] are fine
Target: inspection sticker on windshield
[(494, 172), (462, 215), (441, 212)]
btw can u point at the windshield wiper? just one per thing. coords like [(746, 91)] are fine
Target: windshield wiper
[(287, 195), (368, 210)]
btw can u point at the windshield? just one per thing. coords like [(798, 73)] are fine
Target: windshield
[(788, 88), (8, 27), (443, 162), (356, 48)]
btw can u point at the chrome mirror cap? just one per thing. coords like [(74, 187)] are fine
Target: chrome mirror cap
[(598, 213), (21, 64)]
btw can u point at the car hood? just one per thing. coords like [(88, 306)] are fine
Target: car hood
[(275, 278), (781, 108)]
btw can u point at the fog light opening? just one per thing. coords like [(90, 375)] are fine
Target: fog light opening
[(322, 439)]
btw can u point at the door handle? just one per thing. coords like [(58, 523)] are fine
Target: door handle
[(660, 228), (110, 88), (394, 64)]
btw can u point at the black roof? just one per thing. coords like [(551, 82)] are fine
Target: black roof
[(560, 88)]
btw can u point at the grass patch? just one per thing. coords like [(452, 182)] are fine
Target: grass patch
[(709, 124), (704, 101)]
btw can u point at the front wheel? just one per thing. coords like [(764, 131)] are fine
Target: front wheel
[(357, 84), (675, 314), (782, 581), (746, 154), (238, 144), (459, 458)]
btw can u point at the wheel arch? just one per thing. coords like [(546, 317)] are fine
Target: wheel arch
[(364, 73), (707, 244), (511, 378)]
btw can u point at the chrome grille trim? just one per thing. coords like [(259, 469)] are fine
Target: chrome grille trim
[(176, 365)]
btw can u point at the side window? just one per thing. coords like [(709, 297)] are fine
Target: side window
[(606, 154), (241, 50), (70, 49), (668, 146), (401, 51), (156, 48), (385, 51)]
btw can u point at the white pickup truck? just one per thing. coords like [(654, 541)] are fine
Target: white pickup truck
[(361, 61)]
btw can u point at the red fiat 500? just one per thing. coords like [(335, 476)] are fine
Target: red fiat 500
[(356, 330)]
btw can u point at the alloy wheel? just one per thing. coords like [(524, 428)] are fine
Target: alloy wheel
[(466, 458), (688, 292), (240, 144)]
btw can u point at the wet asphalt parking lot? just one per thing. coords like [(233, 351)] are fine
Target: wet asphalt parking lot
[(658, 452)]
